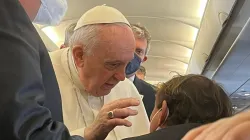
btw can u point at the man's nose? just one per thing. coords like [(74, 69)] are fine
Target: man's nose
[(120, 75)]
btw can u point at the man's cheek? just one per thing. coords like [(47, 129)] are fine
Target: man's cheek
[(31, 7)]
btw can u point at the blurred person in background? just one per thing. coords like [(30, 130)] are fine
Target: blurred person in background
[(186, 102), (92, 80), (30, 102), (142, 41), (141, 73), (68, 33)]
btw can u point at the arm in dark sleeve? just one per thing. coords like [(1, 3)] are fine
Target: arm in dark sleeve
[(149, 100), (149, 97), (22, 93)]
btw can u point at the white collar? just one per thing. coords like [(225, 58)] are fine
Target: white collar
[(132, 78), (70, 68)]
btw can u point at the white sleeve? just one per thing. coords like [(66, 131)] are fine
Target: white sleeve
[(78, 132)]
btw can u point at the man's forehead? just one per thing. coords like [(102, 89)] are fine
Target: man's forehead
[(118, 54), (141, 43), (114, 53), (116, 34), (112, 29), (115, 42)]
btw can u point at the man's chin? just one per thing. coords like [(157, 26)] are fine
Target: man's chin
[(104, 90), (102, 93)]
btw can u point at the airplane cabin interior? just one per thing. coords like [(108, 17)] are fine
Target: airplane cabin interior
[(208, 37)]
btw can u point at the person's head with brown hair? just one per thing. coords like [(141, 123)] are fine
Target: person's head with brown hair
[(143, 39), (142, 46), (189, 99), (141, 73)]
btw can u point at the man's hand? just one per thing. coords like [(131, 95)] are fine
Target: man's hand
[(233, 128), (104, 124)]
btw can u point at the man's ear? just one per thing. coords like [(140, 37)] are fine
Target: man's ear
[(164, 114), (78, 55), (145, 59)]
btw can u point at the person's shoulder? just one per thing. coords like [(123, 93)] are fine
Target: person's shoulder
[(146, 85), (185, 127), (56, 52), (55, 56), (175, 132)]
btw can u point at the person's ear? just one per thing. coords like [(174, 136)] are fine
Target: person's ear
[(164, 114), (145, 59), (78, 55)]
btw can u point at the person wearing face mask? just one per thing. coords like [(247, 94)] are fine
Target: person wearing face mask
[(45, 12), (30, 102), (183, 103), (92, 80), (146, 90)]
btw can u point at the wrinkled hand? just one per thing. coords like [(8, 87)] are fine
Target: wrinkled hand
[(233, 128), (103, 124)]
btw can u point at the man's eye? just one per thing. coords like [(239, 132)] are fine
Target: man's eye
[(112, 66), (139, 52)]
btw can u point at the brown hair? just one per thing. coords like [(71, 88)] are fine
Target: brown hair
[(142, 70), (193, 99), (141, 32)]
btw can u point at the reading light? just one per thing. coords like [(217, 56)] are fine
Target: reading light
[(195, 33), (51, 33), (202, 8)]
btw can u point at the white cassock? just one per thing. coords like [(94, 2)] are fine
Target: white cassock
[(80, 109)]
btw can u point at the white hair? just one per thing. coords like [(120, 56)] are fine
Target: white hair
[(85, 36), (88, 36)]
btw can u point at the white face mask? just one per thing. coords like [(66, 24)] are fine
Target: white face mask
[(51, 12), (156, 114)]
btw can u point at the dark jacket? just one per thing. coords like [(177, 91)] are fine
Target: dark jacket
[(169, 133), (148, 93), (30, 102)]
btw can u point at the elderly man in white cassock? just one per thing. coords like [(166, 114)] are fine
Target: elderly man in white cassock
[(96, 96)]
